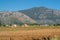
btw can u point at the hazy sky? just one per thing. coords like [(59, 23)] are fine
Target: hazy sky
[(14, 5)]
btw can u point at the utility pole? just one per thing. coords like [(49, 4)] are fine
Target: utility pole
[(52, 14)]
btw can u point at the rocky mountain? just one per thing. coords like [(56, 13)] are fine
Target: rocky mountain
[(39, 15), (14, 18), (43, 15)]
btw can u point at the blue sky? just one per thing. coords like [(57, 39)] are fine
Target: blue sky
[(15, 5)]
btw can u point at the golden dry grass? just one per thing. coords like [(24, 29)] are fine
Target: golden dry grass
[(29, 33)]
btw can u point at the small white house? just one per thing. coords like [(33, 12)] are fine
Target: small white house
[(24, 25), (44, 25), (7, 25), (13, 25)]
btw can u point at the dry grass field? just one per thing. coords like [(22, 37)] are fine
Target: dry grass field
[(30, 33)]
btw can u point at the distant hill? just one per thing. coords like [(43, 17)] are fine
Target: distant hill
[(43, 15), (39, 15), (14, 18)]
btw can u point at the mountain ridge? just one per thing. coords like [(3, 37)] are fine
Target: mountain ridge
[(43, 13), (38, 15)]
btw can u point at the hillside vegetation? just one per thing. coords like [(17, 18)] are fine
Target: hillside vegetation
[(38, 15)]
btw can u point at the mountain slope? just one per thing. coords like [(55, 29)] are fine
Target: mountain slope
[(39, 15), (43, 15), (14, 18)]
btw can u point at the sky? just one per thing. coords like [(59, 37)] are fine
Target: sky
[(15, 5)]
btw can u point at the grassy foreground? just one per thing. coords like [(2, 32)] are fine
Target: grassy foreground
[(27, 28), (27, 33)]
